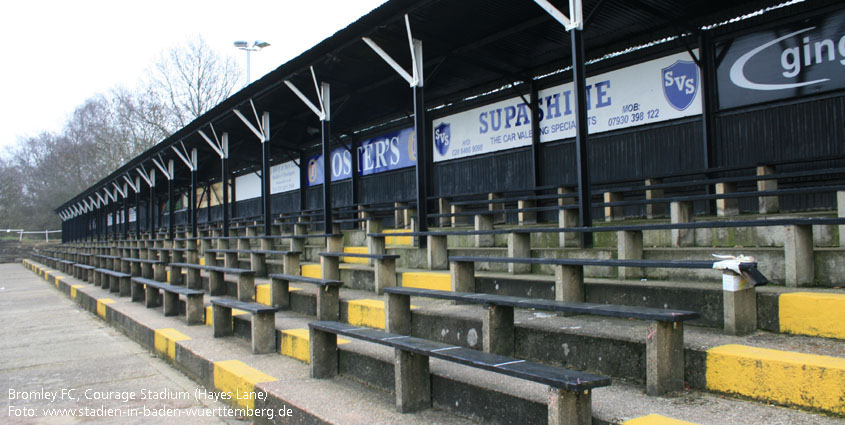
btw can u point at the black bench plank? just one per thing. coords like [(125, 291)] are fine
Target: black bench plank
[(227, 270), (549, 375), (112, 273), (254, 308), (611, 310), (142, 260), (360, 255), (252, 251), (167, 287), (298, 278), (690, 264)]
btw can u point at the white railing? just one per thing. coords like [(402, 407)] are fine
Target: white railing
[(22, 232)]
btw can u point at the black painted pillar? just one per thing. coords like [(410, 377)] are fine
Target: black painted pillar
[(535, 135), (422, 161), (171, 204), (224, 178), (707, 68), (579, 77), (355, 177), (125, 212), (137, 209), (303, 181), (193, 201), (208, 203), (265, 178), (151, 209), (327, 160)]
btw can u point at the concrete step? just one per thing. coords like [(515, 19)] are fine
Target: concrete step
[(490, 398)]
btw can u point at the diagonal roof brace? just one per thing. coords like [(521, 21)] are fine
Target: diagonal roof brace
[(575, 9), (145, 176), (119, 190), (322, 111), (102, 200), (167, 173), (131, 183), (183, 155), (215, 144), (414, 80), (260, 132), (112, 196)]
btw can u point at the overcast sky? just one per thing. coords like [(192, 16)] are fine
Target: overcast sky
[(59, 53)]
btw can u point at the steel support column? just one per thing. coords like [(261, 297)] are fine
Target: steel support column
[(224, 178), (706, 64), (265, 175), (579, 78), (303, 181), (356, 179), (125, 212), (535, 135), (151, 211), (171, 204), (193, 201), (327, 166)]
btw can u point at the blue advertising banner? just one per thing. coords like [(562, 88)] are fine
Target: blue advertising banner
[(658, 90), (391, 151)]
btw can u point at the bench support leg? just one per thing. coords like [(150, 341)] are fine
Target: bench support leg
[(398, 314), (280, 294), (412, 381), (438, 256), (375, 245), (566, 219), (330, 267), (194, 309), (443, 207), (105, 281), (125, 290), (462, 276), (798, 250), (135, 269), (160, 273), (681, 212), (147, 271), (569, 283), (654, 209), (246, 287), (527, 217), (210, 258), (114, 284), (328, 303), (613, 213), (740, 304), (151, 297), (497, 330), (231, 260), (768, 204), (290, 263), (176, 275), (519, 246), (264, 333), (385, 274), (171, 303), (222, 321), (840, 213), (259, 264), (216, 285), (323, 356), (630, 247), (570, 408), (664, 358), (137, 292), (484, 222), (194, 279), (726, 206)]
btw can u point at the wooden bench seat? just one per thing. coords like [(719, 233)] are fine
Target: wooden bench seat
[(150, 288), (570, 398), (216, 284), (263, 322), (328, 295)]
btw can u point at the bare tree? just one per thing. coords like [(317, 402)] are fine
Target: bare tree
[(191, 79)]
